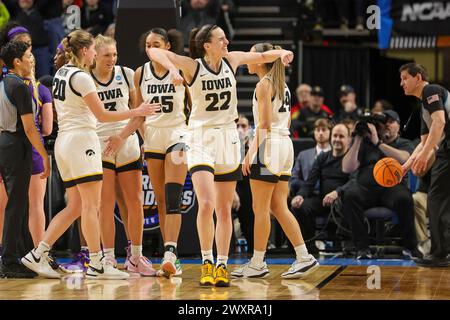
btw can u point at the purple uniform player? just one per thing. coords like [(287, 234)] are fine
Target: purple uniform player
[(40, 98)]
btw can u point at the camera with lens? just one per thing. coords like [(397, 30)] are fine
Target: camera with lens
[(362, 127)]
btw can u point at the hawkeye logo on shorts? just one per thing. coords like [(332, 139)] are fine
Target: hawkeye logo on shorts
[(90, 152), (151, 219)]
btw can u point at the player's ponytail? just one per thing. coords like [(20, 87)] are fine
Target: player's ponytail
[(73, 43), (275, 69)]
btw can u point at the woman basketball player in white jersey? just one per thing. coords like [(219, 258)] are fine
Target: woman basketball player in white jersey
[(116, 90), (163, 145), (213, 147), (78, 155), (269, 161)]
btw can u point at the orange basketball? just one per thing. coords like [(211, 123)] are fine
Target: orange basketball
[(388, 172)]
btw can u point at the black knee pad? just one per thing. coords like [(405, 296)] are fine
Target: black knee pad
[(173, 197)]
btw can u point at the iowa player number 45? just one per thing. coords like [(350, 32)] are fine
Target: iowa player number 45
[(166, 103)]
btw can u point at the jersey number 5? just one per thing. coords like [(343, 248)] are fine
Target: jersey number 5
[(166, 103), (215, 100), (59, 89)]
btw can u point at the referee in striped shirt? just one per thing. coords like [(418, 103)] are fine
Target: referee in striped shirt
[(17, 133)]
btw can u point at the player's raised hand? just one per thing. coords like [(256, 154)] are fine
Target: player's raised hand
[(287, 57), (175, 77)]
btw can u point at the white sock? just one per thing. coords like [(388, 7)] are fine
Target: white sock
[(258, 257), (84, 248), (301, 252), (109, 252), (96, 259), (41, 248), (222, 260), (207, 255), (136, 251)]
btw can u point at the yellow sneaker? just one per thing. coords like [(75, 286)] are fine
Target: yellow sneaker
[(221, 276), (207, 278)]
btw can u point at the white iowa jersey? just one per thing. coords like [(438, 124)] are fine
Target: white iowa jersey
[(214, 98), (115, 95), (161, 90), (281, 112), (73, 113)]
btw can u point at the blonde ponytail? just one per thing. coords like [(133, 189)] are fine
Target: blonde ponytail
[(275, 70)]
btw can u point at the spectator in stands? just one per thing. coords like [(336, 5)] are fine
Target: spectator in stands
[(303, 93), (27, 14), (197, 13), (421, 214), (225, 21), (380, 105), (350, 123), (317, 96), (343, 9), (4, 15), (242, 202), (308, 117), (369, 147), (348, 108), (52, 12), (327, 172), (95, 16), (305, 159)]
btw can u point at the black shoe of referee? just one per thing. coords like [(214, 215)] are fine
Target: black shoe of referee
[(16, 271), (433, 262)]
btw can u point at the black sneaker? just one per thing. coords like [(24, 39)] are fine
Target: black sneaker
[(414, 254), (15, 271), (364, 254), (433, 262)]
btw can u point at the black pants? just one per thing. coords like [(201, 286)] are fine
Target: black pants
[(357, 199), (439, 204), (15, 167), (306, 216), (245, 212)]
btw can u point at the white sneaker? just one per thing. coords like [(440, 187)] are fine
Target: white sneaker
[(250, 270), (40, 264), (301, 268), (106, 272), (111, 261), (168, 264)]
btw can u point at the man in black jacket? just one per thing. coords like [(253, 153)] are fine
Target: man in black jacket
[(369, 147), (327, 170)]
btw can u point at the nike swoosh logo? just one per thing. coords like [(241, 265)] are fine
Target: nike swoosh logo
[(203, 74), (101, 271), (234, 142), (148, 79), (134, 265), (34, 258)]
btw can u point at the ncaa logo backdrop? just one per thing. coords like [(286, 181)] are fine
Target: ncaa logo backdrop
[(151, 220)]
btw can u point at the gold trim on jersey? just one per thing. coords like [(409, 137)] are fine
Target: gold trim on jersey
[(87, 175)]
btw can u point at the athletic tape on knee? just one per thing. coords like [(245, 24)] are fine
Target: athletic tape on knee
[(173, 198)]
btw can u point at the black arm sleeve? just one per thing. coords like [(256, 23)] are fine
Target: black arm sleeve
[(20, 96)]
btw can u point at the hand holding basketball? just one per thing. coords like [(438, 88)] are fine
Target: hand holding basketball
[(388, 172)]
